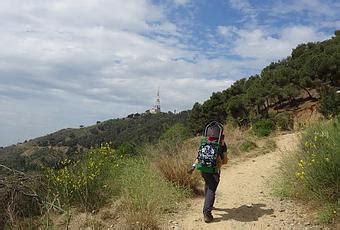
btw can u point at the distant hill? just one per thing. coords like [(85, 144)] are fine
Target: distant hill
[(136, 129)]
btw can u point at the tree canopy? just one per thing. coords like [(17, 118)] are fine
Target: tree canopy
[(310, 67)]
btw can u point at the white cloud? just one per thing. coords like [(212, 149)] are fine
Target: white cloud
[(312, 7), (262, 44), (245, 7), (182, 2), (65, 63)]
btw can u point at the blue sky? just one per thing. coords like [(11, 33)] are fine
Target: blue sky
[(65, 63)]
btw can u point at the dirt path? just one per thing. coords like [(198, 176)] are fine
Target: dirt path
[(244, 200)]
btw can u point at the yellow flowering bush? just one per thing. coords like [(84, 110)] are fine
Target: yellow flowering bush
[(85, 182), (319, 164), (313, 172)]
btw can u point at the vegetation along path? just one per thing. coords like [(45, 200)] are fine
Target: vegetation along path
[(244, 197)]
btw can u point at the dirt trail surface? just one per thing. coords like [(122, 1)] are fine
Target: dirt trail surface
[(244, 199)]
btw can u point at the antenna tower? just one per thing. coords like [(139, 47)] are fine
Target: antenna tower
[(158, 102)]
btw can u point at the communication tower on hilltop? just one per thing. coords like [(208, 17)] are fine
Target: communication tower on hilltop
[(157, 107)]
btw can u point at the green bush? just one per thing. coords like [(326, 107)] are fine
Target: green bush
[(284, 121), (263, 127), (127, 149), (329, 102), (313, 172), (176, 134)]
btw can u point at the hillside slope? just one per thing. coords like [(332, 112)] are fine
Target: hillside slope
[(48, 150)]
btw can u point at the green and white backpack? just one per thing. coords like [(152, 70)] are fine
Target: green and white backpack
[(210, 148)]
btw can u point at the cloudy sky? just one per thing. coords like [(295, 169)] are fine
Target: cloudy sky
[(65, 63)]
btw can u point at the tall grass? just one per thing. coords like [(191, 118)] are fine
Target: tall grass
[(147, 196), (173, 160), (312, 173)]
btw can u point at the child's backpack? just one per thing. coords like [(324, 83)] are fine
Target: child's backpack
[(210, 148)]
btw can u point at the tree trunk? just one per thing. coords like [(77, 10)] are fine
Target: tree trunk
[(307, 91)]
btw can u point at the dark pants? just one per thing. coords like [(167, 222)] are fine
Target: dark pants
[(211, 181)]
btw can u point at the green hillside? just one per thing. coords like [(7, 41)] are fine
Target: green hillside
[(48, 150), (313, 69)]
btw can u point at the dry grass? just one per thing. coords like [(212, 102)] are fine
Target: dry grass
[(241, 143), (237, 140), (148, 218), (21, 196), (174, 165)]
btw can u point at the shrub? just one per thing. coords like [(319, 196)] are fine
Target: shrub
[(176, 134), (21, 196), (329, 102), (263, 127), (127, 149), (313, 172), (147, 196), (87, 183), (284, 121)]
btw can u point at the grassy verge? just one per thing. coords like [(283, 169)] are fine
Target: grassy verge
[(147, 195), (312, 173)]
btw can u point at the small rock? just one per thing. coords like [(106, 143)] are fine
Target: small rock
[(281, 199), (254, 160), (282, 210), (249, 205), (170, 221), (173, 226), (268, 225), (307, 223), (111, 226), (274, 216), (261, 192)]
